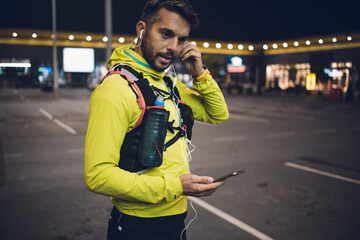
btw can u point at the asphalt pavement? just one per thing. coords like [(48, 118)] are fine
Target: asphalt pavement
[(300, 154)]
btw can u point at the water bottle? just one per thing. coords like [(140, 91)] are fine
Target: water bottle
[(152, 141)]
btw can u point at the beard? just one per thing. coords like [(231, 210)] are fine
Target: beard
[(150, 55)]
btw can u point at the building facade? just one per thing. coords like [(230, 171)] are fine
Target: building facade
[(327, 65)]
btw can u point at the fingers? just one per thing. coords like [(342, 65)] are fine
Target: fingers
[(189, 50), (199, 186), (201, 179)]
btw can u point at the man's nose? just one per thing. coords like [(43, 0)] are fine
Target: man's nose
[(172, 44)]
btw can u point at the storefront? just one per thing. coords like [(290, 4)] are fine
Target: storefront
[(304, 65), (300, 78), (286, 76), (15, 73)]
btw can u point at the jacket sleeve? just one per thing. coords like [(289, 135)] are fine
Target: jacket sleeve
[(206, 100), (113, 111)]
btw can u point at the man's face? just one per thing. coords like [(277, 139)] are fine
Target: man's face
[(164, 40)]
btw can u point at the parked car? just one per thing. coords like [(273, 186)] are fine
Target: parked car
[(48, 84)]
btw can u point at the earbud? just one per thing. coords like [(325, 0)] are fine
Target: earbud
[(141, 32)]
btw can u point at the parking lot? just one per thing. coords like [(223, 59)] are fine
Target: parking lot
[(300, 152)]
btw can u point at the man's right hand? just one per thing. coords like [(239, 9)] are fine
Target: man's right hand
[(199, 186)]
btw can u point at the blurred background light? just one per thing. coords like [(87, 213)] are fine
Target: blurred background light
[(121, 40), (251, 47), (71, 37), (88, 38), (230, 46), (206, 44), (321, 41), (34, 35), (218, 45), (334, 40), (240, 47), (14, 34), (308, 42), (105, 39), (14, 64), (265, 47), (296, 43)]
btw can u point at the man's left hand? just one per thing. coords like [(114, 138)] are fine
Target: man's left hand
[(190, 57)]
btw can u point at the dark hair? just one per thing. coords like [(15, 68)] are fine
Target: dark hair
[(182, 7)]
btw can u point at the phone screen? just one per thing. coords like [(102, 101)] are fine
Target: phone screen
[(222, 178)]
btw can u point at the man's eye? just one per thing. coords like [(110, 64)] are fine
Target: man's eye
[(165, 34), (182, 40)]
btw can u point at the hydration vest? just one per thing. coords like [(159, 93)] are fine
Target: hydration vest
[(146, 95)]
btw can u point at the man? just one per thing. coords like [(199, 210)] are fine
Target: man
[(151, 205)]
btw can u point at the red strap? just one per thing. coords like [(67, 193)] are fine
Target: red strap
[(140, 100), (179, 101)]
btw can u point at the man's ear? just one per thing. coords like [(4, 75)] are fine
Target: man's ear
[(140, 29)]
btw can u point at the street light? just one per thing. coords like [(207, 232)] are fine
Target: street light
[(108, 28), (55, 63)]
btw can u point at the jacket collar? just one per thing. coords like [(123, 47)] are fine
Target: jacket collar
[(128, 56)]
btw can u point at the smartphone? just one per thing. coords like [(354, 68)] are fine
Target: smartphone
[(222, 178)]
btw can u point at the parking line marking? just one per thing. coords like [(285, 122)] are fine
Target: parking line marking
[(46, 113), (236, 222), (229, 139), (308, 169), (64, 126), (57, 121)]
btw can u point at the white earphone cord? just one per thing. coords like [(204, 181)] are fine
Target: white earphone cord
[(187, 226)]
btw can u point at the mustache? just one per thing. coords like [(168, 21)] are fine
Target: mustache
[(167, 55)]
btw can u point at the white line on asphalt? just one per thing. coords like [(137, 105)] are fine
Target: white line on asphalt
[(229, 139), (281, 134), (248, 118), (13, 155), (64, 126), (236, 222), (75, 150), (320, 131), (58, 122), (48, 115), (308, 169)]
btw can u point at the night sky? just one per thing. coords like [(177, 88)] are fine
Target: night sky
[(253, 21)]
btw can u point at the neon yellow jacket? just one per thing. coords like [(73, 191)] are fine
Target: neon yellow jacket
[(113, 112)]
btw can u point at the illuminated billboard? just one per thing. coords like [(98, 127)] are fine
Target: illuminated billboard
[(235, 64), (311, 81), (78, 60)]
